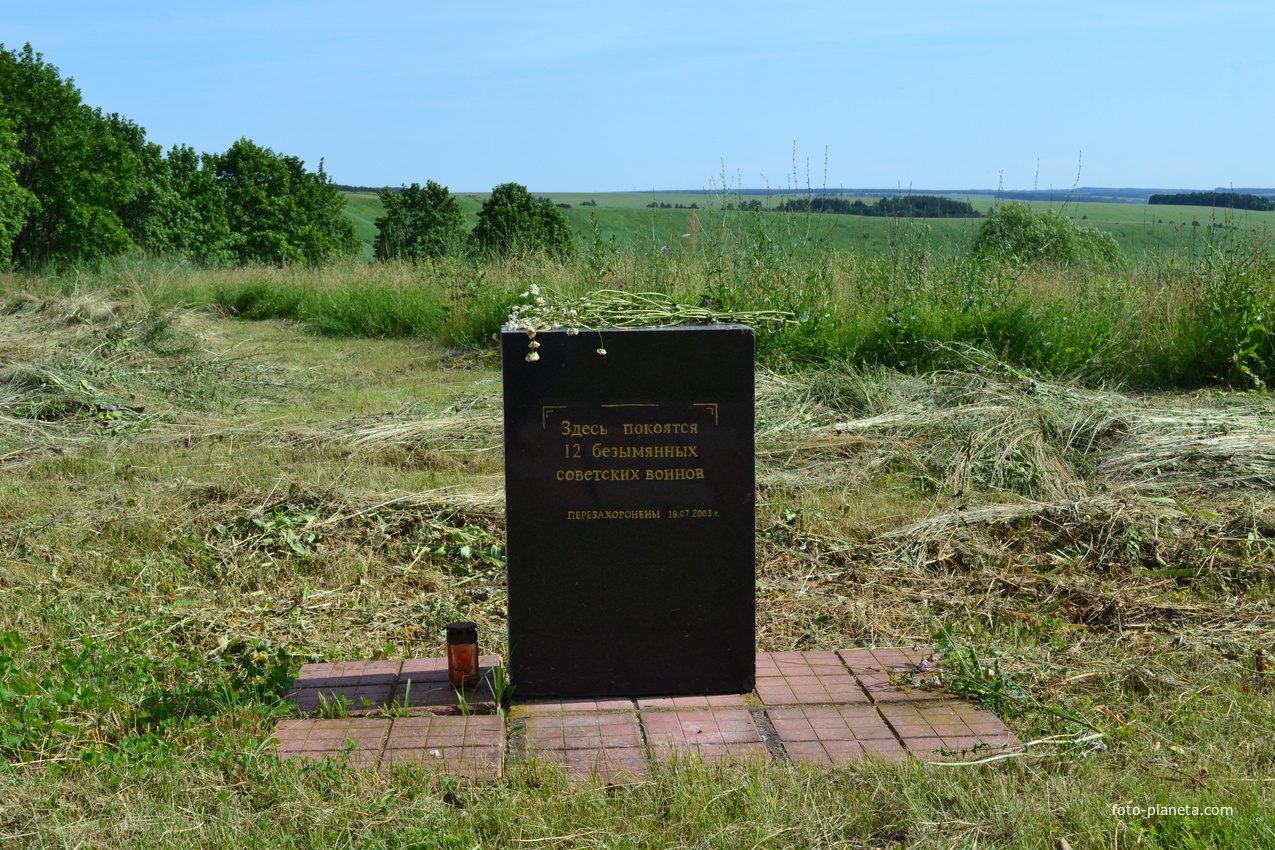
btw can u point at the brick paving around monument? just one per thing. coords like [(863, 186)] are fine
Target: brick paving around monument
[(819, 708)]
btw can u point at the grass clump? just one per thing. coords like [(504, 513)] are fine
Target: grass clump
[(1224, 303)]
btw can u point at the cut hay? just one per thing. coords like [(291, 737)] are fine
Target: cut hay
[(469, 429), (1004, 432)]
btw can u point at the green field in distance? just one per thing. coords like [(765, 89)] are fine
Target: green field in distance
[(1138, 228)]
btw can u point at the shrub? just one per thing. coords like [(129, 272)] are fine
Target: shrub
[(1016, 230)]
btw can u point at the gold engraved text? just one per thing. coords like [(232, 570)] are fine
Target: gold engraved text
[(660, 428), (600, 450), (599, 474), (613, 515), (575, 429), (674, 474)]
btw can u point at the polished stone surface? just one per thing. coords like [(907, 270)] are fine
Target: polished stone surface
[(630, 503)]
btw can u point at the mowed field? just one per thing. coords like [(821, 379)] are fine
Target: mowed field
[(193, 503), (1140, 229)]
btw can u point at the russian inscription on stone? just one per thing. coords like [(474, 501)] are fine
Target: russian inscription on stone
[(629, 485)]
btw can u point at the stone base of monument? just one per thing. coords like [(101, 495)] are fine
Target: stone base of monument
[(819, 708)]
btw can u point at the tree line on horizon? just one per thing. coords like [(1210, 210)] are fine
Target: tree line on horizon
[(909, 206), (1229, 200)]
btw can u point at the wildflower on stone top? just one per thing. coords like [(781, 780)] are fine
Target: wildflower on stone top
[(531, 332), (573, 331)]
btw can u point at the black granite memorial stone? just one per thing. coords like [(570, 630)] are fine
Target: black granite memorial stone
[(629, 484)]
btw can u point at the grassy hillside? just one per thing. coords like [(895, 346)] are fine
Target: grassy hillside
[(1139, 229), (363, 210)]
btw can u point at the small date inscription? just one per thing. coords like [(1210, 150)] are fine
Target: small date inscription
[(673, 513)]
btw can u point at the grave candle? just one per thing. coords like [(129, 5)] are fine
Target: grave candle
[(462, 654)]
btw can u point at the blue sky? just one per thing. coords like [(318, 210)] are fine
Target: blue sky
[(614, 96)]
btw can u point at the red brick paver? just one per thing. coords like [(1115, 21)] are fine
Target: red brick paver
[(555, 706), (423, 683), (611, 766), (957, 727), (583, 731), (347, 674), (826, 708), (435, 669), (606, 746), (715, 735), (709, 701), (356, 740), (347, 687), (805, 678), (360, 688), (833, 734), (427, 732), (464, 747), (356, 700), (883, 673)]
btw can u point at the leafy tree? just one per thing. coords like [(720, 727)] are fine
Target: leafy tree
[(16, 203), (1017, 230), (278, 212), (80, 164), (179, 208), (78, 185), (419, 223), (511, 221)]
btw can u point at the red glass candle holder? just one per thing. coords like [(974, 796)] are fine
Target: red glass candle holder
[(462, 654)]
